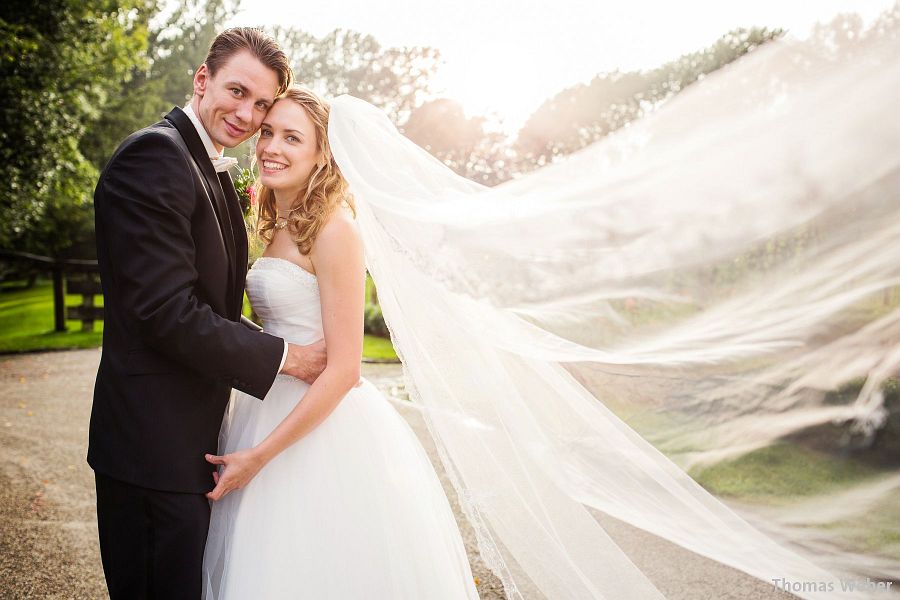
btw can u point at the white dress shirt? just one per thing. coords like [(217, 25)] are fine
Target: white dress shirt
[(214, 155)]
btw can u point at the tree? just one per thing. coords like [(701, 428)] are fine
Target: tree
[(570, 120), (441, 127), (462, 143), (582, 114), (347, 62), (60, 62)]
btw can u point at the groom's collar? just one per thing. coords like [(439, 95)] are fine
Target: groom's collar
[(201, 131)]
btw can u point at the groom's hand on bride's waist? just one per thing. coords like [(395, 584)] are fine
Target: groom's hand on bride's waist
[(305, 362)]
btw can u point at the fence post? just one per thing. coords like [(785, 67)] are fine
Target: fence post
[(88, 286), (59, 300)]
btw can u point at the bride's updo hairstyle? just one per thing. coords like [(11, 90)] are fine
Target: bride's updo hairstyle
[(325, 190)]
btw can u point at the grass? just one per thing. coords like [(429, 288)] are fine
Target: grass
[(26, 324), (378, 348), (26, 321), (782, 471), (784, 474), (877, 530)]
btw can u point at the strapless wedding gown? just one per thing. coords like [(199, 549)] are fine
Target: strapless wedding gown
[(352, 511)]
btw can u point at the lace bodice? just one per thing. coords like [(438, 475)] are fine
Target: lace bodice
[(286, 297)]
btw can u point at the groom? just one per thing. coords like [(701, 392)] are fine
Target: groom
[(172, 250)]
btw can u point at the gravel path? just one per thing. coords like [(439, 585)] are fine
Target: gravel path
[(48, 533)]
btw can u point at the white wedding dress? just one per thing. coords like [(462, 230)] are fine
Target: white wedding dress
[(352, 510)]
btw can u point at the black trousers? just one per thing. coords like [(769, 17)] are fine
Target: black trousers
[(151, 542)]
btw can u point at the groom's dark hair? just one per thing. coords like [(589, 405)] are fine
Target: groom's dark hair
[(231, 41)]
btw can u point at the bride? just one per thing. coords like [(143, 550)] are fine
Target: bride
[(701, 280), (326, 491)]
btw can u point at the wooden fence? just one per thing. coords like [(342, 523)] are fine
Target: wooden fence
[(73, 276)]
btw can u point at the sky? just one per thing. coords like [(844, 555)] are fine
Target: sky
[(503, 58)]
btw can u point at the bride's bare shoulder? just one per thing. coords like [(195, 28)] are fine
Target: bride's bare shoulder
[(339, 234), (340, 224)]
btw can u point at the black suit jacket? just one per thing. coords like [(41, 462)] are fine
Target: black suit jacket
[(172, 249)]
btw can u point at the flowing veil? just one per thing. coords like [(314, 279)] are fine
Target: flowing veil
[(687, 291)]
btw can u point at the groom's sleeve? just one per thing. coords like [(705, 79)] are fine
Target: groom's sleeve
[(144, 201), (254, 327)]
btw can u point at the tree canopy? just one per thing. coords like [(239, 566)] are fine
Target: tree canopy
[(60, 61), (582, 114), (79, 77)]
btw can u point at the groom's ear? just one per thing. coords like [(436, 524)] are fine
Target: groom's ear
[(201, 80)]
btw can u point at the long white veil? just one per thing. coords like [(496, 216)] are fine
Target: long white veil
[(706, 275)]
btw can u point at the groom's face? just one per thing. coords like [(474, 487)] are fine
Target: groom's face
[(233, 102)]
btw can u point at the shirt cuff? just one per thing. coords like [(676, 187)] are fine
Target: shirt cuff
[(283, 357)]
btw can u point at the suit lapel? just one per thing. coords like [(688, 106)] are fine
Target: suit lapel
[(195, 145), (240, 238)]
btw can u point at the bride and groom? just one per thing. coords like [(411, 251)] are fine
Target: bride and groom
[(236, 463), (312, 485)]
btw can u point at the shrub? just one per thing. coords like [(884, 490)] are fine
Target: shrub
[(374, 321)]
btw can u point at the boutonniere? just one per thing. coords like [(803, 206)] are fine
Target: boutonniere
[(243, 185)]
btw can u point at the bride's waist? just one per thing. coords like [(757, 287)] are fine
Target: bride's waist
[(289, 382), (301, 336)]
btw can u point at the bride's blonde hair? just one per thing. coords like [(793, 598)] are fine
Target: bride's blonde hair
[(325, 190)]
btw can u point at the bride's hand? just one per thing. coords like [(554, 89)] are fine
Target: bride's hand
[(239, 468)]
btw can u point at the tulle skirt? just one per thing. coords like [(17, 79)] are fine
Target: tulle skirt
[(352, 510)]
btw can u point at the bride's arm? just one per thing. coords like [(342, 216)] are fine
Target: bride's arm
[(338, 258)]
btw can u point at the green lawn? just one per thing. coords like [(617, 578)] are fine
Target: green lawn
[(782, 471), (26, 324), (785, 474), (26, 321), (378, 348)]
